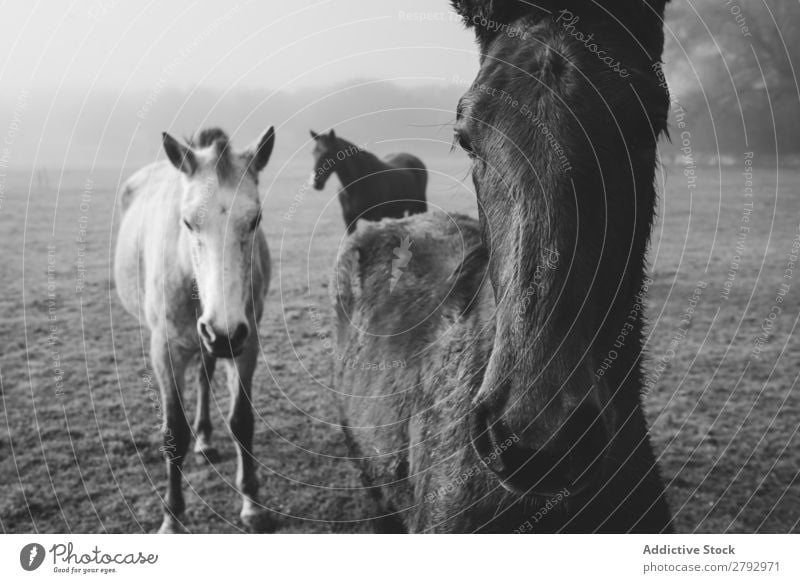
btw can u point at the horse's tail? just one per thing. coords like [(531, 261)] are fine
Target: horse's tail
[(421, 178)]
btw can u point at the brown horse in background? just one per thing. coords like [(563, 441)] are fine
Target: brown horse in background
[(518, 404), (372, 189)]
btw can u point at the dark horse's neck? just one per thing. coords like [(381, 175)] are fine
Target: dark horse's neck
[(615, 173), (353, 163)]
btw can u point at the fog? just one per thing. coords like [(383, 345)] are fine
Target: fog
[(96, 82)]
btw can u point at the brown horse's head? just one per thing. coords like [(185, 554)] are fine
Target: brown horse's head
[(326, 154), (220, 212), (562, 133)]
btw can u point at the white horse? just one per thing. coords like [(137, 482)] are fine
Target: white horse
[(193, 264)]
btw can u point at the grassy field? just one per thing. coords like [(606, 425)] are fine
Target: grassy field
[(78, 427)]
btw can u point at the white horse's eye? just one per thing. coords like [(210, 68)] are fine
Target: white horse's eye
[(188, 226)]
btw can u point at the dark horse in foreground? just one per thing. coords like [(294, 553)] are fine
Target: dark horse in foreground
[(372, 189), (517, 406)]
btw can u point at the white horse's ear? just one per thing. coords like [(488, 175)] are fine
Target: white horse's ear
[(181, 155), (262, 150), (314, 134)]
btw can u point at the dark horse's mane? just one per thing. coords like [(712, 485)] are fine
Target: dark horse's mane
[(475, 13), (361, 155)]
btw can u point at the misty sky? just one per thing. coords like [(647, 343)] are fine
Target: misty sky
[(87, 82), (252, 43)]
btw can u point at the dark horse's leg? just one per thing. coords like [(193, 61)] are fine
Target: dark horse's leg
[(240, 376), (202, 423), (169, 368)]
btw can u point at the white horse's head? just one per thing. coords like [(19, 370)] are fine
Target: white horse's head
[(220, 212)]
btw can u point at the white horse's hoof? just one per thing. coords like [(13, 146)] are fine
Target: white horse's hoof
[(171, 526), (258, 520)]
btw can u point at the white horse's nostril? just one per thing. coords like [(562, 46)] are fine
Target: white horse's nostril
[(206, 332), (240, 334), (222, 340)]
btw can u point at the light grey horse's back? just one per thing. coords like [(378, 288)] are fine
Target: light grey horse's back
[(145, 202), (151, 177)]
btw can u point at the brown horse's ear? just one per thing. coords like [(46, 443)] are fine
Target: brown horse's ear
[(262, 150), (314, 134), (181, 155), (332, 134)]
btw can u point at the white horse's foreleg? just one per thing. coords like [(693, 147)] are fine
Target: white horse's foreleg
[(169, 369), (240, 375), (202, 422)]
